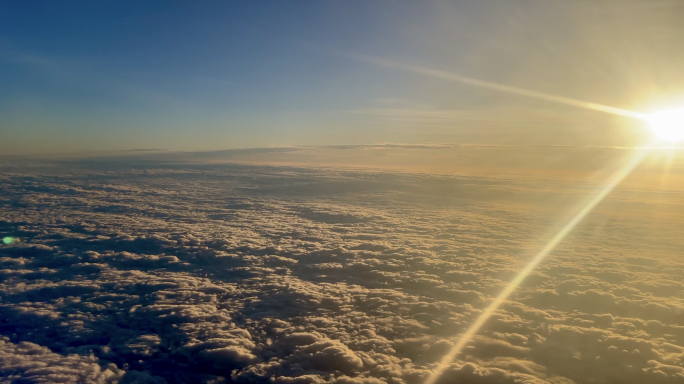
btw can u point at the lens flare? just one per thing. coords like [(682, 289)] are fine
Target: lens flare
[(668, 125), (465, 338), (496, 86), (8, 240)]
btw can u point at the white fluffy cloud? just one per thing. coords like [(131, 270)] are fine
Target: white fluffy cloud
[(159, 273)]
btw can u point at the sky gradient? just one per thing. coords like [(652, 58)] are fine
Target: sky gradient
[(123, 75)]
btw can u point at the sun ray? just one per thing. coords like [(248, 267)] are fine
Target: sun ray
[(665, 175), (498, 87), (614, 180)]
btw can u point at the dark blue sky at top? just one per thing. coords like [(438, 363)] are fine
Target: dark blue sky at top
[(176, 46), (193, 75)]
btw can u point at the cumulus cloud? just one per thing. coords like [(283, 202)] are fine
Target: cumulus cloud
[(188, 273)]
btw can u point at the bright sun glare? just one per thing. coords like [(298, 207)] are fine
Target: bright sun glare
[(668, 125)]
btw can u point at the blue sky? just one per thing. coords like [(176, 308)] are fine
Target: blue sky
[(109, 75)]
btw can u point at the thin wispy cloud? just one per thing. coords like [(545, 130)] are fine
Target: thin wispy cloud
[(452, 115)]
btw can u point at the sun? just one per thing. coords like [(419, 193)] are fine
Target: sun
[(668, 125)]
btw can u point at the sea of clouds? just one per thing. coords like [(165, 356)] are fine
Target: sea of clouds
[(132, 271)]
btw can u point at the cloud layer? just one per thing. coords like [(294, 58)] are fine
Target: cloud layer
[(144, 272)]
